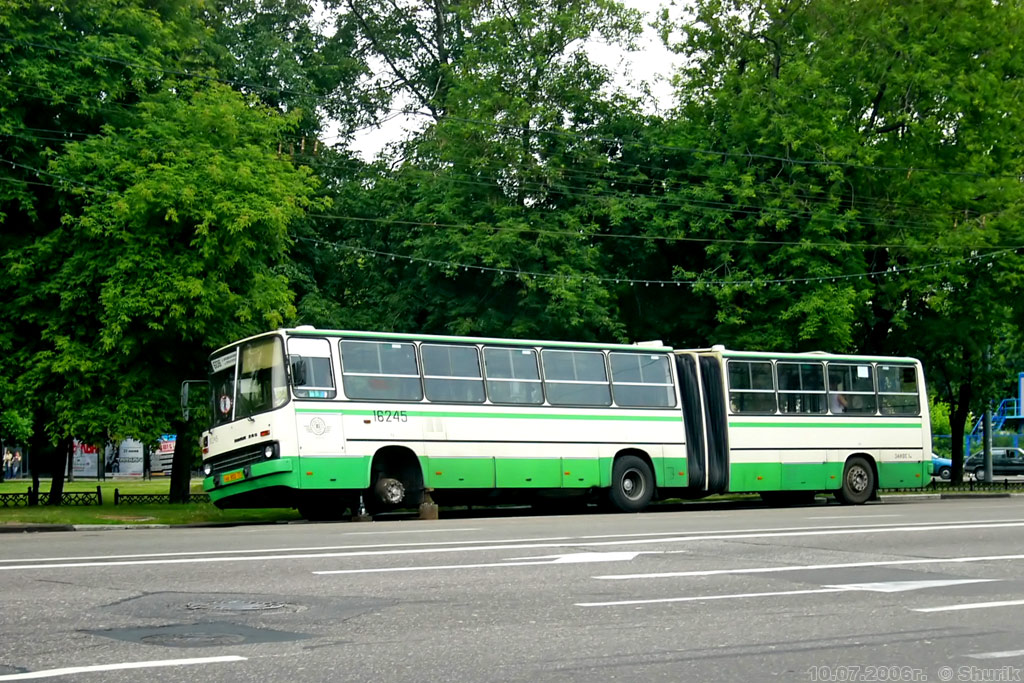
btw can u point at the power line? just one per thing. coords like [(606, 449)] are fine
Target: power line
[(561, 233), (652, 238), (758, 282), (542, 187), (654, 200), (547, 131)]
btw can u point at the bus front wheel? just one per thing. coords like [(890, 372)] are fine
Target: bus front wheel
[(858, 482), (632, 484)]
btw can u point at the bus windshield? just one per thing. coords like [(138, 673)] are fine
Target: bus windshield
[(248, 379)]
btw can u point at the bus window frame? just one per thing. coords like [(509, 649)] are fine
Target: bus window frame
[(849, 392), (802, 391), (383, 340), (917, 389), (480, 367), (672, 385), (773, 392), (547, 382), (539, 381), (332, 391)]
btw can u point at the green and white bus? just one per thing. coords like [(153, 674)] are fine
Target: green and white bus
[(328, 421)]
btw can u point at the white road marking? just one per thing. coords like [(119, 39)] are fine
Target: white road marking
[(901, 586), (204, 553), (856, 516), (972, 605), (52, 673), (881, 587), (812, 567), (702, 598), (670, 536), (406, 531), (575, 543), (572, 558), (998, 655)]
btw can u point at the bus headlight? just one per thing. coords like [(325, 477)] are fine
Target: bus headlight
[(207, 469), (268, 451)]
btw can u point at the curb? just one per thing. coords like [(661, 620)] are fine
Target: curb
[(32, 528), (105, 527), (956, 496)]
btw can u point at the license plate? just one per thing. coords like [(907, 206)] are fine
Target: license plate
[(233, 476)]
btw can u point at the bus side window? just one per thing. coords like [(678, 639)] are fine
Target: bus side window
[(751, 387), (576, 378), (452, 373), (384, 371), (512, 375), (801, 387), (898, 390), (642, 380), (852, 388), (311, 368)]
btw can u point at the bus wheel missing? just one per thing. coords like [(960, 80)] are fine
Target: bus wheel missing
[(632, 484), (396, 481), (858, 482)]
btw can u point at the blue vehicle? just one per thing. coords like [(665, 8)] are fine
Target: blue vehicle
[(942, 467)]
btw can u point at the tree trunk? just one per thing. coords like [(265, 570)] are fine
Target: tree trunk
[(957, 426), (35, 453), (181, 465), (59, 464)]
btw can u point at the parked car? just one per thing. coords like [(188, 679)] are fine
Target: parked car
[(1005, 462), (942, 467)]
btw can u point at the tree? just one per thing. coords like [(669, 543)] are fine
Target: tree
[(169, 248), (70, 68), (862, 170), (449, 237)]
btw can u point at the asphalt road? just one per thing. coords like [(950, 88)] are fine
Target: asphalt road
[(929, 590)]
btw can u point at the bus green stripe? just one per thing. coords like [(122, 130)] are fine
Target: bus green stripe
[(511, 416), (830, 425)]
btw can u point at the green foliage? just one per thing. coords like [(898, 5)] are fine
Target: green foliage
[(837, 175), (151, 227), (490, 197), (167, 249), (939, 413)]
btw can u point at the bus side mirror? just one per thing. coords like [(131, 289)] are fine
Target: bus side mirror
[(298, 364), (184, 394)]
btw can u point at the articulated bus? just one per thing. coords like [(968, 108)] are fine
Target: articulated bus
[(328, 421)]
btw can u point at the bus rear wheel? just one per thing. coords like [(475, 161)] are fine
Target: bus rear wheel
[(632, 484), (858, 482)]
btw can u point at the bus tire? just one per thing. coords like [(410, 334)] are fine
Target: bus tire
[(858, 482), (632, 484)]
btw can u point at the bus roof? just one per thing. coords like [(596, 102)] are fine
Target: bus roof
[(818, 355), (307, 331)]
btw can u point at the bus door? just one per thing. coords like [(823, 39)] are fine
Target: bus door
[(319, 427)]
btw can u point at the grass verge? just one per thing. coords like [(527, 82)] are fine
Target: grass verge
[(108, 513)]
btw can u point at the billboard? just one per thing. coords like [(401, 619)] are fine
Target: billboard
[(126, 459), (162, 457), (84, 459)]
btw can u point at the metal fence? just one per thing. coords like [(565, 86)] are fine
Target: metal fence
[(154, 498), (966, 486), (28, 499)]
